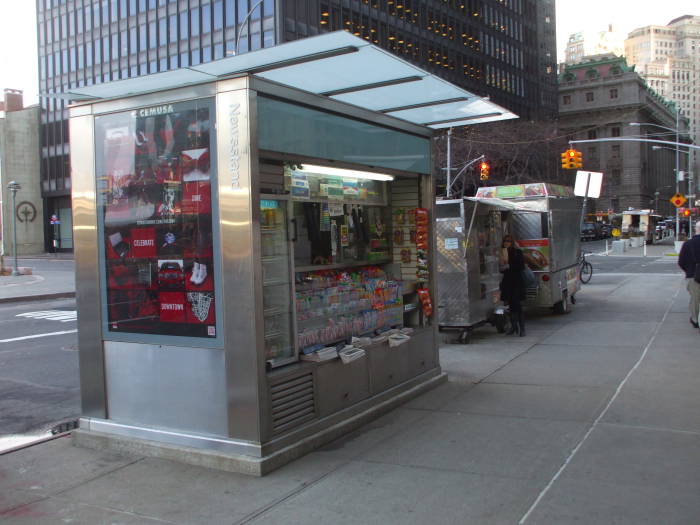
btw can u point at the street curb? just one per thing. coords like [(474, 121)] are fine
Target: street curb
[(40, 297)]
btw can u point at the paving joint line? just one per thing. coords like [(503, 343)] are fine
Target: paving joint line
[(306, 485), (655, 429), (575, 450)]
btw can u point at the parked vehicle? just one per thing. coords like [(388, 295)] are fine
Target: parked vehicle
[(590, 231)]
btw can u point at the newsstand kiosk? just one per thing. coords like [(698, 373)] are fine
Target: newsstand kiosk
[(254, 261)]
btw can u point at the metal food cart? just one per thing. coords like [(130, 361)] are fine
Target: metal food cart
[(544, 220), (640, 224), (254, 254)]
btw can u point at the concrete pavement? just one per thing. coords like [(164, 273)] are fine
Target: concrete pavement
[(592, 418), (51, 278)]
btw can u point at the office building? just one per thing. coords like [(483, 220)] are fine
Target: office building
[(604, 98), (586, 43), (19, 162), (501, 49), (668, 58)]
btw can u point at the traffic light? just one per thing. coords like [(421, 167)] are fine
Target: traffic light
[(686, 212), (571, 159), (565, 160), (484, 171)]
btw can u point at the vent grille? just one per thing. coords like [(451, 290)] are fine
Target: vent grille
[(292, 403)]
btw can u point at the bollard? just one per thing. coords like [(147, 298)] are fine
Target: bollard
[(645, 247), (606, 247)]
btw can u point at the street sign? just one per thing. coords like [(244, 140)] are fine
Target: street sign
[(54, 220), (678, 200)]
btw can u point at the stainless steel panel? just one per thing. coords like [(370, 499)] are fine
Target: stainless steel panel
[(91, 357), (239, 213), (526, 225), (153, 99), (340, 385), (185, 439), (171, 387), (565, 231), (453, 298)]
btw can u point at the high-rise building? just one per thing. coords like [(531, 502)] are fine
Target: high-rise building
[(668, 58), (502, 49), (588, 43)]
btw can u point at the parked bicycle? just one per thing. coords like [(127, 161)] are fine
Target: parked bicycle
[(585, 269)]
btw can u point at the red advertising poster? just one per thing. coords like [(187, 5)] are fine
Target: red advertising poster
[(143, 242), (172, 307), (200, 308), (154, 181), (196, 197)]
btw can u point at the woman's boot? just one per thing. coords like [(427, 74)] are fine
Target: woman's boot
[(513, 324)]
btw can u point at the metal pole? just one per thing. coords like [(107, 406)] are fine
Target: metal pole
[(449, 164), (678, 154), (238, 37), (14, 229)]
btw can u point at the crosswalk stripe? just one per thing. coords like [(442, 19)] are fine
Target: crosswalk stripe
[(63, 316)]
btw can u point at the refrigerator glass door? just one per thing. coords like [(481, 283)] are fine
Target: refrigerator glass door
[(277, 283)]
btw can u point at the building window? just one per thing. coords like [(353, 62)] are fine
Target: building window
[(613, 93), (615, 151), (615, 131), (592, 134), (589, 96), (566, 100)]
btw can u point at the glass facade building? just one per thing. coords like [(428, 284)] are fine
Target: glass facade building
[(503, 49)]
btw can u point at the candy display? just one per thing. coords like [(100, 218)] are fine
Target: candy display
[(155, 197), (335, 305)]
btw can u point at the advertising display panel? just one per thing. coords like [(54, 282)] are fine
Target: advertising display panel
[(155, 183)]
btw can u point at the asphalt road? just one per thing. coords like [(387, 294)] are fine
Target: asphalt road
[(39, 385), (625, 264)]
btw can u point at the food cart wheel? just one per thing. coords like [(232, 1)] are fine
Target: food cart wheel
[(500, 322), (464, 337), (562, 307)]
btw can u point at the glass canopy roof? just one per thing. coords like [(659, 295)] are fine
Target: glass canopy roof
[(337, 65)]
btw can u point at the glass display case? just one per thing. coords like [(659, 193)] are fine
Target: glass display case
[(277, 282), (154, 183)]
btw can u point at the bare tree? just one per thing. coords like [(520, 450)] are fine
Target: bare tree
[(517, 152)]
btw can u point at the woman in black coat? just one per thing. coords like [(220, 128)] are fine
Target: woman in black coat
[(512, 285)]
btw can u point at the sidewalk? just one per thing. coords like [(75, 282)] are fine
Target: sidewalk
[(43, 283), (592, 418)]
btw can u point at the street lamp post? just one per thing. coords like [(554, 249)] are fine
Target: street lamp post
[(238, 36), (14, 187)]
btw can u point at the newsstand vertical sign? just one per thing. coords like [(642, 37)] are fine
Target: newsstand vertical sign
[(155, 178)]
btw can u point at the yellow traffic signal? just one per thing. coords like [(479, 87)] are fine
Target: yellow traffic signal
[(484, 171), (571, 159), (565, 160)]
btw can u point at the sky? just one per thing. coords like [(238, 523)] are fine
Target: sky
[(18, 62)]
